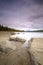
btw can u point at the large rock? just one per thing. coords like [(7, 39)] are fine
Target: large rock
[(4, 45)]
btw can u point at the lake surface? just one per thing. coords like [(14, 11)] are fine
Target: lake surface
[(36, 34), (28, 35)]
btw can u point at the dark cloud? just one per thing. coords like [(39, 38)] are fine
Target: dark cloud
[(20, 12), (22, 1), (38, 2), (5, 2), (36, 17), (11, 1)]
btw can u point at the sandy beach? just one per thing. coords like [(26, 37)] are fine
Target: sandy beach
[(19, 56), (16, 54), (37, 50)]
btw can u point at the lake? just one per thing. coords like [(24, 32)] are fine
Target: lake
[(28, 35)]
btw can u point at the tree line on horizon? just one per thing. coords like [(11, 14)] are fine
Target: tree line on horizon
[(5, 28)]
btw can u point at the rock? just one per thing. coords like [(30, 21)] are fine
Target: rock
[(4, 45)]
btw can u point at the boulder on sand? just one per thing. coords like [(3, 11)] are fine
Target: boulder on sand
[(4, 45)]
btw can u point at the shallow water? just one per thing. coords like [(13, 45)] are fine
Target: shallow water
[(27, 35)]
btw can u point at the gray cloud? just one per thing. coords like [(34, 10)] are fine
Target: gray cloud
[(35, 17), (39, 2), (22, 13)]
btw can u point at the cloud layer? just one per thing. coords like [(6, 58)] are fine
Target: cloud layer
[(22, 13)]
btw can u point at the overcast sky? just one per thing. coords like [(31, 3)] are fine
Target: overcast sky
[(22, 14)]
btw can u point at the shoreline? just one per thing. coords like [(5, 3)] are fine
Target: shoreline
[(22, 52)]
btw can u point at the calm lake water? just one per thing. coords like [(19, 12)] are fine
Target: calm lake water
[(36, 34), (28, 35)]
